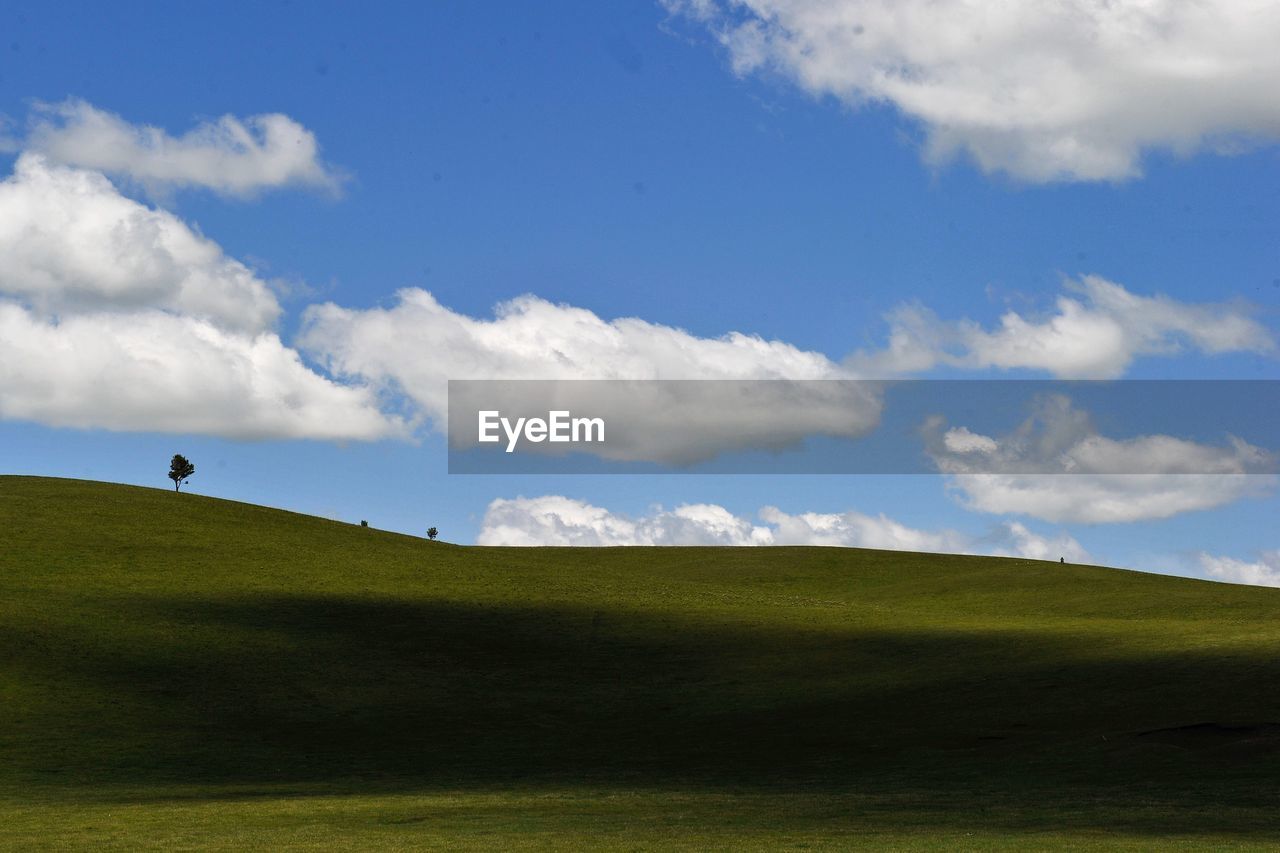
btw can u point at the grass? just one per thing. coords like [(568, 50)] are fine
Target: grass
[(183, 672)]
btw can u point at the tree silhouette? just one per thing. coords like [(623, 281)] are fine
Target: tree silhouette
[(432, 533), (179, 470)]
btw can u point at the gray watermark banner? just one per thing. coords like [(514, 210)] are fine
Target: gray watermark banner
[(1164, 427)]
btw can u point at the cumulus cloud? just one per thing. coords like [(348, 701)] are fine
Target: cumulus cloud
[(856, 530), (558, 520), (232, 156), (1097, 330), (1105, 498), (1265, 571), (417, 345), (69, 241), (120, 316), (1041, 90), (154, 371), (1055, 466), (77, 256)]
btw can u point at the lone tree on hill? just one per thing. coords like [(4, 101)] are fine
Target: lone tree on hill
[(432, 533), (180, 469)]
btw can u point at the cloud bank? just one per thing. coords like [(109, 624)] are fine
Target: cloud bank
[(1041, 90), (414, 346), (558, 520), (77, 257), (84, 268)]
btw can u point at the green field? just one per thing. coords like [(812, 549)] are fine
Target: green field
[(183, 672)]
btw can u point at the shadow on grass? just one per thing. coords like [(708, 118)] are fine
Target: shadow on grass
[(373, 695)]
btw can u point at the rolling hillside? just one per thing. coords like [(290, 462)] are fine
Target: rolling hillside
[(183, 671)]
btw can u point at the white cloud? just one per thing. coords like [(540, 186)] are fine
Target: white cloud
[(79, 258), (558, 520), (154, 371), (1042, 90), (1265, 571), (1105, 498), (855, 530), (70, 242), (1055, 466), (119, 316), (1058, 438), (961, 440), (1095, 333), (1012, 539), (232, 156), (417, 345)]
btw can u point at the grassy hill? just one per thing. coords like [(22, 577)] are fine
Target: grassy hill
[(182, 671)]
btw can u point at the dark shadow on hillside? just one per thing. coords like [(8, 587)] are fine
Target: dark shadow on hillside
[(386, 695)]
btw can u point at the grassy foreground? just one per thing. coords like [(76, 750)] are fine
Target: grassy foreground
[(183, 672)]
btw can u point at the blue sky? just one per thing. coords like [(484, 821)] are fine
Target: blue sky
[(642, 160)]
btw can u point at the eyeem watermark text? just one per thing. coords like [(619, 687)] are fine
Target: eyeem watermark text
[(559, 426), (998, 427)]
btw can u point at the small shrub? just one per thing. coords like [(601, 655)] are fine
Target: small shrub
[(364, 523)]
